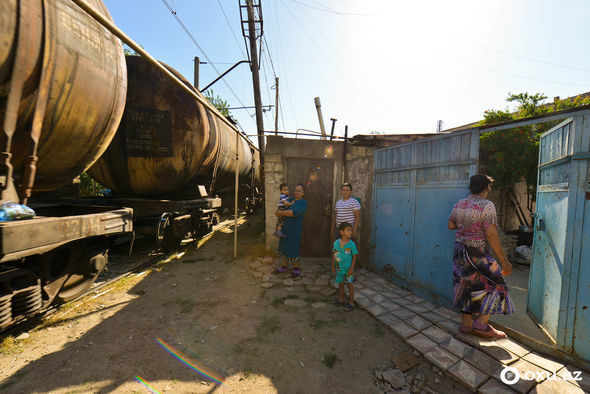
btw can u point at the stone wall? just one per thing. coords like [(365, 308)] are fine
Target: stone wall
[(360, 175)]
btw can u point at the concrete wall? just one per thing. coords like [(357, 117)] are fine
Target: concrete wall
[(359, 173), (278, 151)]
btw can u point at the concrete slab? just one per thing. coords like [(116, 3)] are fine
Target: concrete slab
[(500, 353), (436, 334), (513, 346), (441, 358), (458, 348), (556, 386), (403, 293), (377, 298), (432, 317), (388, 319), (403, 313), (417, 308), (389, 305), (450, 314), (295, 303), (522, 366), (468, 375), (422, 343), (450, 326), (376, 310), (571, 372), (404, 330), (544, 362), (417, 322), (474, 341), (492, 386), (483, 362), (415, 299), (363, 302), (402, 301), (429, 306)]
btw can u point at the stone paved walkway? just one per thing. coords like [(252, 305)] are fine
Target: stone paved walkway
[(433, 332)]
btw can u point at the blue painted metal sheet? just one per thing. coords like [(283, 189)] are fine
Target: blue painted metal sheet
[(559, 285), (392, 230), (416, 186)]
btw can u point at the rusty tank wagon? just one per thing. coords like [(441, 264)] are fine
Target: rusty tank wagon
[(171, 155), (71, 102)]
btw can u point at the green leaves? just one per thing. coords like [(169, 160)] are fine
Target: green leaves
[(509, 156)]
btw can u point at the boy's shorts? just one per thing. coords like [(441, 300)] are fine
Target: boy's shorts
[(341, 278)]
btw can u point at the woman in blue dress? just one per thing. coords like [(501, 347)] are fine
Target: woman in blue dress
[(289, 246)]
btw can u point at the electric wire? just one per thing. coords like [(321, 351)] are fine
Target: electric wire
[(330, 11), (512, 74), (232, 30), (523, 57), (174, 13)]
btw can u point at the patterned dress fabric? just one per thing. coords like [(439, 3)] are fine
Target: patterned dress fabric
[(478, 284)]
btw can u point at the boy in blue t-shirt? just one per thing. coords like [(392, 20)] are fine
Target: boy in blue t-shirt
[(343, 259)]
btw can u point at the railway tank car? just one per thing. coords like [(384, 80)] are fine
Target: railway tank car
[(168, 143), (170, 154), (62, 93)]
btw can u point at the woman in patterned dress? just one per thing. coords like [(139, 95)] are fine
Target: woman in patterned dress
[(478, 279)]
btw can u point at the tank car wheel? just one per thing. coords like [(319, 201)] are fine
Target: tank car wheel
[(82, 273), (165, 236)]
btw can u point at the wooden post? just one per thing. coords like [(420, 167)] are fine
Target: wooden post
[(236, 197)]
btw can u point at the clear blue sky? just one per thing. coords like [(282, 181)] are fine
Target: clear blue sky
[(377, 65)]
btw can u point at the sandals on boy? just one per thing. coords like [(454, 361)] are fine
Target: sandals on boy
[(348, 308)]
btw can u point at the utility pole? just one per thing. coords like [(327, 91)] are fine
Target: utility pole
[(198, 63), (277, 106), (255, 75)]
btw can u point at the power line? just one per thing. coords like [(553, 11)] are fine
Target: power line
[(511, 74), (523, 57), (331, 11), (232, 30), (269, 57), (173, 12)]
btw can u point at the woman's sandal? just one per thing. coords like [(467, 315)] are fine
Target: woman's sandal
[(336, 301), (348, 308), (465, 329), (487, 331)]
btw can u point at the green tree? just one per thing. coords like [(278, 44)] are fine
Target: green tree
[(510, 156), (218, 102)]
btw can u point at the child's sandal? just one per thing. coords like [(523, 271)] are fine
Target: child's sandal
[(348, 308)]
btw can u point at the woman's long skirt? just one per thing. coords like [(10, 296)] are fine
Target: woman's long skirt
[(478, 284)]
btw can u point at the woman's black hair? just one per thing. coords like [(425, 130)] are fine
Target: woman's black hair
[(282, 185), (346, 184), (344, 225), (479, 182)]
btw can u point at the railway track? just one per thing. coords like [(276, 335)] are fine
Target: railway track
[(95, 290)]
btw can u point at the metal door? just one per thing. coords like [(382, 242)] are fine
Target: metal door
[(317, 176), (416, 186), (559, 284)]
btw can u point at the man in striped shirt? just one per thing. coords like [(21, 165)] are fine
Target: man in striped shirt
[(347, 209)]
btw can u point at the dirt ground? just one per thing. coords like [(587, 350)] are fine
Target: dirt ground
[(210, 311)]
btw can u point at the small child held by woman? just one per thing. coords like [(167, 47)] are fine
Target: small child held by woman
[(343, 259), (284, 202)]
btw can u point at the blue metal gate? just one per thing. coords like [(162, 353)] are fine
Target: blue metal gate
[(559, 285), (416, 186)]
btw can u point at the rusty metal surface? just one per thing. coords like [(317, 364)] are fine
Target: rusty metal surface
[(28, 237), (168, 143), (86, 94)]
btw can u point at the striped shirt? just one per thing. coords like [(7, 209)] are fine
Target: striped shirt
[(345, 210)]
